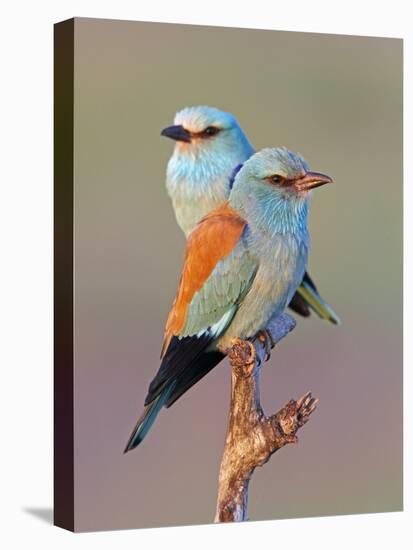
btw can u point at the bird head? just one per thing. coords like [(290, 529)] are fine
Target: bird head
[(281, 172), (202, 129), (271, 190)]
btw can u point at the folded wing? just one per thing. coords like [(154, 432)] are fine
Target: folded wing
[(217, 272)]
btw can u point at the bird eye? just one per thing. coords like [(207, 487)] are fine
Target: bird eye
[(276, 179), (211, 131)]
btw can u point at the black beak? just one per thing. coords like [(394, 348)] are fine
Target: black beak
[(311, 180), (178, 133)]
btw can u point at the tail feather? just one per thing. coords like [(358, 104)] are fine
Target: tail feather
[(309, 293), (148, 417)]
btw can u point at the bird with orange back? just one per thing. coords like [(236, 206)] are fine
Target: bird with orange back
[(210, 147), (243, 264)]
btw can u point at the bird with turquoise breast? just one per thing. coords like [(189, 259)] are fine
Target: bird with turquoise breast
[(209, 144), (243, 263), (210, 147)]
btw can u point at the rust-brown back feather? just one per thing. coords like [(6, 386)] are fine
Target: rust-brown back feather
[(212, 240)]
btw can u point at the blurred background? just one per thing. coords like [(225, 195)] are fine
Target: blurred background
[(337, 100)]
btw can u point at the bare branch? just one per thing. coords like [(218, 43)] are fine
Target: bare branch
[(251, 436)]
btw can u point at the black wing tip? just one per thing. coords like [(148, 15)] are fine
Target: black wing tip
[(299, 306), (181, 353), (131, 445), (134, 441), (128, 448), (304, 313)]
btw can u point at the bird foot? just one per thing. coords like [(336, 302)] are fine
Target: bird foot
[(265, 337)]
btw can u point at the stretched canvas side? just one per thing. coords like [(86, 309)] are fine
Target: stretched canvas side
[(63, 275)]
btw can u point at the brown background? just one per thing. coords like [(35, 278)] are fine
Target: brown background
[(338, 101)]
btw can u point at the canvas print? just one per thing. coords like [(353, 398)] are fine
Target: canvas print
[(228, 274)]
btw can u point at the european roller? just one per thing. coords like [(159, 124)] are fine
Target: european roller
[(243, 263), (210, 148)]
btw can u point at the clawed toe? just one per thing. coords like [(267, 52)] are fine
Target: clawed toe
[(265, 337)]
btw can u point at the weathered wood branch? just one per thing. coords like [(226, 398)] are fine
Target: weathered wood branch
[(251, 436)]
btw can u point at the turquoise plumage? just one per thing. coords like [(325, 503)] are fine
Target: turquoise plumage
[(242, 266), (210, 144)]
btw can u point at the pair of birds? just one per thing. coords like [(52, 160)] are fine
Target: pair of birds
[(245, 218)]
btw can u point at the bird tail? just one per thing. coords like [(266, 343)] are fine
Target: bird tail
[(148, 417), (309, 293)]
